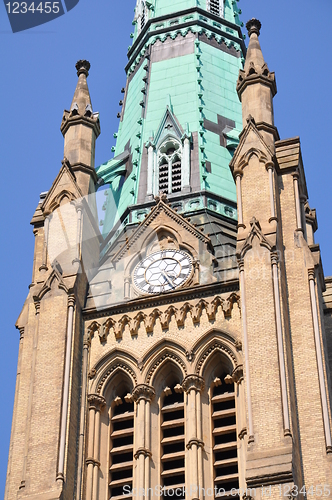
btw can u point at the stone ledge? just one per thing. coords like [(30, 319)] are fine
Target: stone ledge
[(269, 467)]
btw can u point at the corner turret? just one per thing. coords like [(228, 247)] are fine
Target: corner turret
[(256, 85), (80, 127)]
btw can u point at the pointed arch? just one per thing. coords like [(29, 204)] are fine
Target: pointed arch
[(114, 361), (53, 277), (171, 352), (215, 341)]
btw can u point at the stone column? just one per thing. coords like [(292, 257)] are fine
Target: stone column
[(126, 290), (43, 266), (193, 386), (297, 202), (79, 210), (96, 403), (29, 411), (66, 384), (151, 172), (246, 350), (238, 176), (185, 163), (280, 343), (143, 395), (237, 379), (303, 201), (319, 356), (270, 169), (86, 347)]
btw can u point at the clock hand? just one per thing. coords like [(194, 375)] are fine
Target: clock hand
[(167, 278)]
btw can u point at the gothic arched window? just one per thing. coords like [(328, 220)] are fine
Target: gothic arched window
[(169, 167), (173, 439), (121, 445), (216, 7), (141, 14), (224, 436)]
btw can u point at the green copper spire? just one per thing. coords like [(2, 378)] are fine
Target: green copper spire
[(181, 115)]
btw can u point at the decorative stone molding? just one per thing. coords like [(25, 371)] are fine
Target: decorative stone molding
[(166, 356), (236, 377), (55, 274), (238, 345), (96, 401), (143, 391), (215, 346), (155, 211), (311, 274), (142, 451), (37, 306), (274, 258), (194, 442), (243, 432), (193, 381), (255, 231), (71, 301), (237, 374), (180, 315), (92, 461), (111, 370)]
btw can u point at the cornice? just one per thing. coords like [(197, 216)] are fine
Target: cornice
[(145, 36), (165, 316), (167, 298)]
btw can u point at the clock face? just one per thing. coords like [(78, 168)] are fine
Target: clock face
[(162, 271)]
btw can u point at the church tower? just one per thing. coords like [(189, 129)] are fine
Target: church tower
[(184, 350)]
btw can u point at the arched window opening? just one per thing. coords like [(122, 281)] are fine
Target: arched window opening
[(121, 446), (224, 437), (169, 166), (176, 175), (143, 16), (163, 176), (173, 439), (216, 7)]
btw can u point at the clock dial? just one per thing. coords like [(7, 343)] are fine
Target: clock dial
[(162, 271)]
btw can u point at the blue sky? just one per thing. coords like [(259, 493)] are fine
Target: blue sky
[(38, 79)]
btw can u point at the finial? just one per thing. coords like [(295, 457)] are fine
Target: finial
[(253, 26), (82, 67)]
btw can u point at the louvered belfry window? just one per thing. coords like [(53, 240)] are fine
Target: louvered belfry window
[(169, 164), (143, 17), (225, 460), (173, 440), (215, 7), (121, 449)]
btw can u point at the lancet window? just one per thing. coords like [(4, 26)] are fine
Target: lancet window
[(216, 7), (169, 167), (173, 439), (224, 437), (140, 14), (121, 445)]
